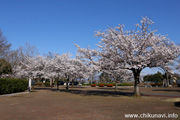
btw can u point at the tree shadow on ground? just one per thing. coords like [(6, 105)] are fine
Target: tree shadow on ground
[(167, 90), (115, 89), (90, 92), (43, 88), (33, 90), (53, 89), (177, 104), (60, 87), (100, 93)]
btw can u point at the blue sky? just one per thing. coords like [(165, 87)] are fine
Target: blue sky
[(54, 25)]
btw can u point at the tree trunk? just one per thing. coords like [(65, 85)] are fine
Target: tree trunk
[(91, 79), (67, 86), (136, 74), (166, 81), (57, 87), (72, 83), (116, 85), (51, 81)]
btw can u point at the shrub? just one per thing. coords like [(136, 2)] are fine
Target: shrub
[(125, 84), (156, 84), (101, 85), (39, 83), (159, 84), (55, 83), (113, 84), (47, 84), (12, 85), (109, 85), (93, 85), (106, 84), (153, 84), (86, 84), (174, 83)]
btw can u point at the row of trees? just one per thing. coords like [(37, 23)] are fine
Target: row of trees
[(5, 67), (122, 55), (56, 66), (159, 77)]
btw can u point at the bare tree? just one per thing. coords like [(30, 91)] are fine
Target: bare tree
[(15, 57), (28, 50), (4, 46)]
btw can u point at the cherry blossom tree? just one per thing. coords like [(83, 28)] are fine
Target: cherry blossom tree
[(32, 67), (111, 68), (68, 68), (178, 63), (136, 49), (79, 69), (89, 58), (51, 67), (114, 70), (60, 65)]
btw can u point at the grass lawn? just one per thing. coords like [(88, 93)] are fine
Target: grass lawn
[(48, 104)]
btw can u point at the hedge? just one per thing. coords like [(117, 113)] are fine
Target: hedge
[(125, 84), (106, 84), (12, 85), (156, 84), (109, 85), (93, 85), (101, 85), (86, 84), (47, 84), (121, 84)]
